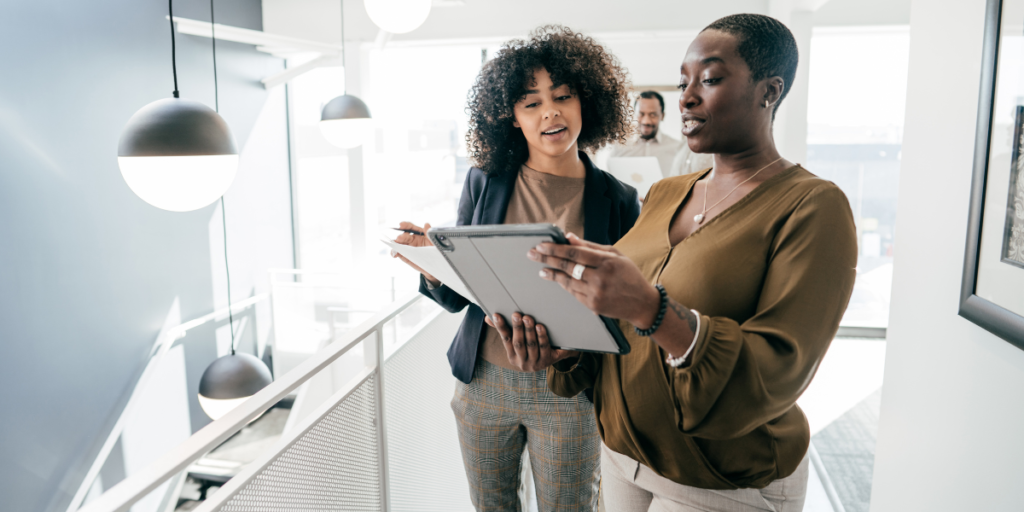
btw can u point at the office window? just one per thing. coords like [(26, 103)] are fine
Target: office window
[(414, 164), (320, 174), (418, 164), (857, 99)]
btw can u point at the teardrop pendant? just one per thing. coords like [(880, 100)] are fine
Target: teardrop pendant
[(698, 218)]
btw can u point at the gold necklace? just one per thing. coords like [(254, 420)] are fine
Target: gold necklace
[(699, 218)]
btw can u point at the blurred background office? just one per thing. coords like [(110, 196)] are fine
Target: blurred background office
[(111, 310)]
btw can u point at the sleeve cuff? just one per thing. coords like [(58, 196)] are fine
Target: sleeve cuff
[(585, 362)]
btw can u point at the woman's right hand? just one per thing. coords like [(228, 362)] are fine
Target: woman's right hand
[(415, 241), (527, 343)]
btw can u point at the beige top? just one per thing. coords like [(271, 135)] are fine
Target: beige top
[(771, 277), (661, 146), (538, 197)]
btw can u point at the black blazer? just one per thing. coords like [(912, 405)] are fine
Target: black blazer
[(610, 209)]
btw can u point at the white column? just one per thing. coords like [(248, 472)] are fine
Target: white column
[(792, 117), (356, 183), (791, 121)]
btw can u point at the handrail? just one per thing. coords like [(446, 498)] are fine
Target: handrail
[(122, 496), (165, 340)]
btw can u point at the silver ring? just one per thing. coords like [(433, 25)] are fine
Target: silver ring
[(577, 271)]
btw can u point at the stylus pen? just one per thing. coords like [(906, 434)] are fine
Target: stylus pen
[(410, 231)]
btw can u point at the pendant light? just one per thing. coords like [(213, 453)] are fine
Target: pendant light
[(398, 16), (345, 121), (177, 154), (231, 379)]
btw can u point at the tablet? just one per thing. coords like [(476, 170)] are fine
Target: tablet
[(491, 261), (639, 171)]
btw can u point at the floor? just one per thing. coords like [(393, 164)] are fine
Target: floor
[(842, 406), (847, 451), (850, 372)]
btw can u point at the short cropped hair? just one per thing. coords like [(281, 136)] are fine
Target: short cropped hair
[(653, 94), (767, 46), (591, 71)]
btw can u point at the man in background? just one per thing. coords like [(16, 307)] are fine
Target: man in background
[(650, 111)]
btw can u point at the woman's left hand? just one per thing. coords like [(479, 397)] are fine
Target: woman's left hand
[(611, 285)]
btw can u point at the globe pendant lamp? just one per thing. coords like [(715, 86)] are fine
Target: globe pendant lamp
[(231, 379), (177, 154), (398, 16), (345, 121)]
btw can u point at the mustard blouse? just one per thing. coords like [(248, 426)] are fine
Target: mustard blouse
[(771, 277)]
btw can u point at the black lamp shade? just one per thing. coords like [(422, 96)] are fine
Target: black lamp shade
[(234, 376), (176, 127)]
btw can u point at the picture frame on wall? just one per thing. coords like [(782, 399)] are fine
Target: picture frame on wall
[(992, 287)]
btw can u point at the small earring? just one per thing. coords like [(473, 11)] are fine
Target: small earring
[(765, 103)]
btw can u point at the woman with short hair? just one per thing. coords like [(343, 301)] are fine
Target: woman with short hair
[(534, 110), (730, 288)]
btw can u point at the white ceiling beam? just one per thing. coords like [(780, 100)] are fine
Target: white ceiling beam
[(276, 45), (271, 42)]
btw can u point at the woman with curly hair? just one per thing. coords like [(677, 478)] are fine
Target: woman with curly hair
[(534, 110)]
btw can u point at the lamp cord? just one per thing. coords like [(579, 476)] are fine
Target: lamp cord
[(174, 59), (223, 213), (213, 37), (344, 68), (227, 272)]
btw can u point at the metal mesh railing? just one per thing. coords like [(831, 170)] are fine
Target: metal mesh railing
[(425, 467), (333, 466), (336, 455)]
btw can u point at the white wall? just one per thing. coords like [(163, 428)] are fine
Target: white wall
[(88, 271), (950, 437)]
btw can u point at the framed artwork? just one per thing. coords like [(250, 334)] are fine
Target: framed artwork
[(1013, 231), (992, 289)]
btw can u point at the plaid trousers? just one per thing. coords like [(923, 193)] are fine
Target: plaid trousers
[(502, 411)]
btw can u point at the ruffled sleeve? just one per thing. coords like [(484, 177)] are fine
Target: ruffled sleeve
[(745, 375)]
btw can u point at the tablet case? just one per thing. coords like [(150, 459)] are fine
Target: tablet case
[(492, 263)]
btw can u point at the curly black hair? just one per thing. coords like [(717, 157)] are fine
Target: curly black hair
[(593, 73), (767, 46)]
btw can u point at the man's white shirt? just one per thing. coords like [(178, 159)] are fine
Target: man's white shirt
[(688, 162), (663, 147)]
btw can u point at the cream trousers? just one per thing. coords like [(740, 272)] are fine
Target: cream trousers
[(628, 486)]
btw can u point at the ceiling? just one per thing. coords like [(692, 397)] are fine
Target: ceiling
[(320, 20), (486, 19), (483, 18)]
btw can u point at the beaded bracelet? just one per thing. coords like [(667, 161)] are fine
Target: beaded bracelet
[(661, 314)]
